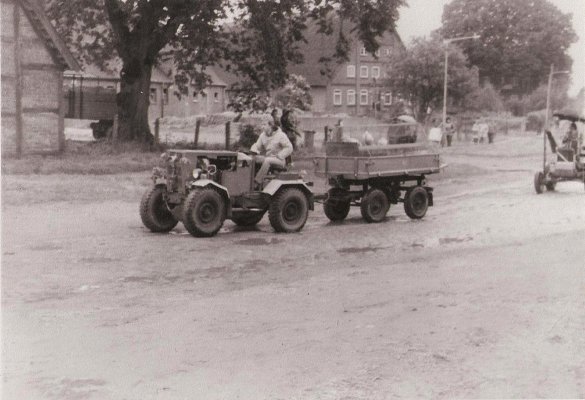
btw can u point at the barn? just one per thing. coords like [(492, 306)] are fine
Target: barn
[(34, 58)]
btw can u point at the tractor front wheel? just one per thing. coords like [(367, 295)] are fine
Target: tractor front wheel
[(154, 211), (204, 212)]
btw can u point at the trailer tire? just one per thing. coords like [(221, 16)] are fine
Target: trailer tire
[(416, 202), (374, 205), (288, 210), (154, 211), (204, 212), (335, 209), (539, 182)]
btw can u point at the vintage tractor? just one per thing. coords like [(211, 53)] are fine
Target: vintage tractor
[(568, 161), (203, 188)]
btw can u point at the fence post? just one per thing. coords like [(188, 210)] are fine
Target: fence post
[(197, 127), (228, 126), (310, 140), (115, 127)]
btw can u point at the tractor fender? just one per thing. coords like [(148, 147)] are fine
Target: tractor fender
[(221, 189), (276, 184)]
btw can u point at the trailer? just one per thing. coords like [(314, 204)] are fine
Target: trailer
[(374, 177)]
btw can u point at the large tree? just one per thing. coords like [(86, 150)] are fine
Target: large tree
[(417, 74), (519, 39), (256, 39)]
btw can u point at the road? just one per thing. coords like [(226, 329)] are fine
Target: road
[(484, 297)]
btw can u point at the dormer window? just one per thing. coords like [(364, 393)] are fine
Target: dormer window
[(363, 51)]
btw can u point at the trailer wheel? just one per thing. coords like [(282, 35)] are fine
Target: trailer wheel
[(204, 212), (247, 219), (374, 205), (288, 210), (539, 182), (416, 202), (154, 212), (336, 209)]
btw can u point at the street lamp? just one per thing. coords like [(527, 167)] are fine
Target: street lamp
[(548, 90), (446, 43)]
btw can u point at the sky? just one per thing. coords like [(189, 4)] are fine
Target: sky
[(423, 16)]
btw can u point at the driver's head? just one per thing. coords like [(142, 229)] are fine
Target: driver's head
[(573, 126), (272, 127)]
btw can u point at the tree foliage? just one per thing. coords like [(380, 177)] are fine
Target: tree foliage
[(519, 39), (417, 75), (255, 39)]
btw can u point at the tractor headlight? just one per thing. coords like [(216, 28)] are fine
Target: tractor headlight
[(196, 173)]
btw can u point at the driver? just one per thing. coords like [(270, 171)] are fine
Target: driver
[(275, 146)]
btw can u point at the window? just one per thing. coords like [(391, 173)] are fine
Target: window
[(364, 97), (364, 71), (375, 72), (351, 97), (153, 95), (387, 99), (388, 52), (377, 53), (216, 97), (166, 96), (363, 51), (337, 101), (351, 71), (195, 97)]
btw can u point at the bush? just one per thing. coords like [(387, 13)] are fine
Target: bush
[(249, 133), (535, 120)]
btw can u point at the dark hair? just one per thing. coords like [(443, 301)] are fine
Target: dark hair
[(573, 125)]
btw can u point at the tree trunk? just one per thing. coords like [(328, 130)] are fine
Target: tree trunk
[(133, 101)]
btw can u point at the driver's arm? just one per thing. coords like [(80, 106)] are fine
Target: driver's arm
[(258, 147)]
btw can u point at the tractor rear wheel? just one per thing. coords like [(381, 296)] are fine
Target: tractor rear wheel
[(154, 211), (288, 210), (204, 212), (416, 202), (374, 205), (336, 208)]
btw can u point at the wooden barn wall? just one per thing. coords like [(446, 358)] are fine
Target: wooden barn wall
[(34, 106)]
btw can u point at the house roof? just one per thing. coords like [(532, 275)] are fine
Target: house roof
[(47, 32), (320, 46)]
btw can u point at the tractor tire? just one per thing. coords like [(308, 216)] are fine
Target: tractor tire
[(204, 212), (539, 182), (374, 205), (416, 202), (288, 210), (154, 212), (249, 219), (335, 209)]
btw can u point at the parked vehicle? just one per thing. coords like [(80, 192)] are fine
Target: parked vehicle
[(203, 188), (568, 160), (374, 177)]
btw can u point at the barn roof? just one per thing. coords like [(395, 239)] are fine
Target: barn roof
[(47, 32)]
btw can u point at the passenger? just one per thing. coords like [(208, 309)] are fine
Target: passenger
[(274, 147), (288, 124)]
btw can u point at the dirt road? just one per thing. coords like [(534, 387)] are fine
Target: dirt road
[(485, 297)]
